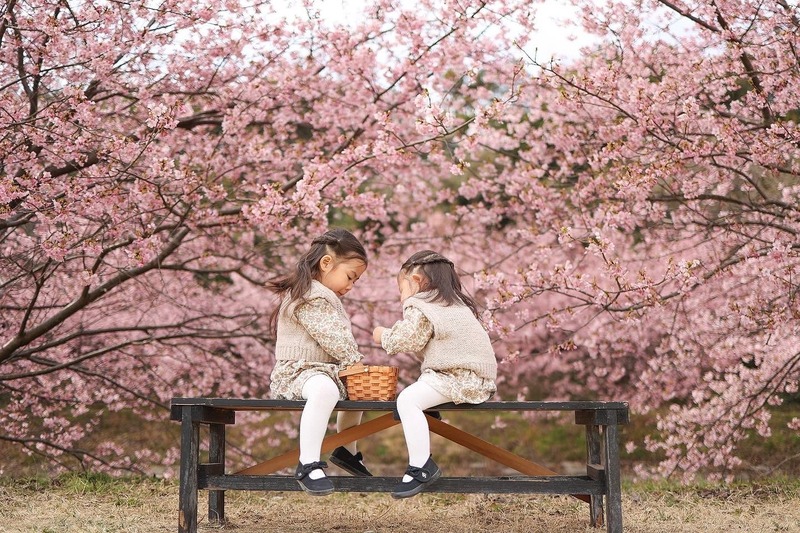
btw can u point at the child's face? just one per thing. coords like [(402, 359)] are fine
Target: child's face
[(340, 276), (409, 284)]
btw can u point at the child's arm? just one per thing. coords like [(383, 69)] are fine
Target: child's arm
[(322, 322), (408, 335)]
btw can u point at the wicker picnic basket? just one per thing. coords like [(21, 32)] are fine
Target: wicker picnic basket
[(370, 382)]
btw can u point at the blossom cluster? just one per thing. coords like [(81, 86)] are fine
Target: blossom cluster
[(627, 220)]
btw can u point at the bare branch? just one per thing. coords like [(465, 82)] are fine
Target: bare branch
[(88, 297)]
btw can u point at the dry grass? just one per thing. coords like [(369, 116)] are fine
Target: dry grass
[(83, 505)]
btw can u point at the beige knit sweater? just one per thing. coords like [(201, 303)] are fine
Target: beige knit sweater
[(293, 341), (459, 340)]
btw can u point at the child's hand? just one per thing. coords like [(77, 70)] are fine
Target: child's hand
[(376, 334)]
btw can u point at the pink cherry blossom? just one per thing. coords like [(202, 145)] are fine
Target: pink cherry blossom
[(627, 218)]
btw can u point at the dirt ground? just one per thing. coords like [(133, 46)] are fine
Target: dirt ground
[(151, 507)]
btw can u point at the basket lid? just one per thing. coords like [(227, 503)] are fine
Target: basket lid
[(357, 368)]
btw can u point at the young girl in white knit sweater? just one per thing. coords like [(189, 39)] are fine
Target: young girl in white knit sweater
[(441, 327), (314, 341)]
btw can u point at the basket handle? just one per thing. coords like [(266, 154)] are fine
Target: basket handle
[(357, 368)]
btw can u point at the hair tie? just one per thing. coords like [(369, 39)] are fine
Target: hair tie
[(325, 239)]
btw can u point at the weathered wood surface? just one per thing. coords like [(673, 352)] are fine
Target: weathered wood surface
[(485, 485), (255, 404), (601, 482)]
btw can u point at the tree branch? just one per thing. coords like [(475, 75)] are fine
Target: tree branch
[(7, 350)]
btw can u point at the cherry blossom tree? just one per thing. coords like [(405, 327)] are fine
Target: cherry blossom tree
[(162, 159), (628, 217), (653, 185)]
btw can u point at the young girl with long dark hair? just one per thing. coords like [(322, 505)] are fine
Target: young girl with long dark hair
[(441, 327), (314, 341)]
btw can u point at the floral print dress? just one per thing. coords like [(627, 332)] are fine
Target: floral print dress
[(411, 335), (323, 323)]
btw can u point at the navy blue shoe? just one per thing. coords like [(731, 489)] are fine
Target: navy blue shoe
[(316, 487), (422, 478), (348, 462)]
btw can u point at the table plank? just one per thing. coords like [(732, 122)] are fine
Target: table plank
[(257, 404)]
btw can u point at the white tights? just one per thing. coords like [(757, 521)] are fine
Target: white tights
[(411, 403), (321, 395)]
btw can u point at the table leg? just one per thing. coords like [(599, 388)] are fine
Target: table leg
[(187, 496), (613, 484), (593, 458), (216, 454)]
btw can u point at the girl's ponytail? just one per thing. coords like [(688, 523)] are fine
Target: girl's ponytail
[(441, 277)]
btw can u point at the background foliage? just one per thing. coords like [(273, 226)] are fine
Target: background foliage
[(628, 218)]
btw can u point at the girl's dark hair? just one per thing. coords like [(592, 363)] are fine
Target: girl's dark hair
[(339, 243), (440, 276)]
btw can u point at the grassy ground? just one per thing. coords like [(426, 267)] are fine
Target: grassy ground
[(766, 497), (95, 504)]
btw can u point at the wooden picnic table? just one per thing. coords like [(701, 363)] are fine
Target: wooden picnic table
[(602, 478)]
